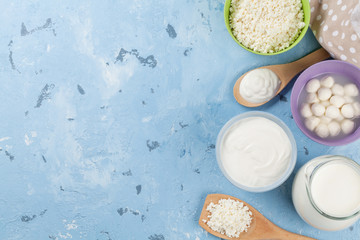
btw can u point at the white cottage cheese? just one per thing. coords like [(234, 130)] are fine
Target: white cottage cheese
[(229, 217), (266, 26)]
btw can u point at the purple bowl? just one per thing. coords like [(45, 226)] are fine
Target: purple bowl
[(329, 66)]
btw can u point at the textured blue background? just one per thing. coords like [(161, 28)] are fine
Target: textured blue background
[(110, 111)]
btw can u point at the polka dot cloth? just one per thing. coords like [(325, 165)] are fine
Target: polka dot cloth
[(331, 22)]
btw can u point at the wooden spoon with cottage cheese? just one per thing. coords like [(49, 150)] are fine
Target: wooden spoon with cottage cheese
[(258, 88), (259, 228)]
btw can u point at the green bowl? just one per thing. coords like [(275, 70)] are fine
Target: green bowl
[(306, 9)]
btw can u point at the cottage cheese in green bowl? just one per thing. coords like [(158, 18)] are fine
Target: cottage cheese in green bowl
[(267, 27)]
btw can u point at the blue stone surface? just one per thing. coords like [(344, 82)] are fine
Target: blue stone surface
[(110, 112)]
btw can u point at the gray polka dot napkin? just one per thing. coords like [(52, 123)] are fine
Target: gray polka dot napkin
[(336, 25)]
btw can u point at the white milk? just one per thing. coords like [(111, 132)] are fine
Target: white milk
[(326, 192)]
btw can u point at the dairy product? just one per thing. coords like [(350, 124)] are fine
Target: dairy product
[(259, 85), (332, 112), (347, 126), (306, 110), (347, 110), (334, 128), (312, 122), (351, 90), (313, 86), (324, 93), (255, 152), (335, 189), (312, 98), (326, 192), (322, 130), (318, 109), (332, 99), (229, 217), (338, 90), (327, 82), (263, 25), (337, 101)]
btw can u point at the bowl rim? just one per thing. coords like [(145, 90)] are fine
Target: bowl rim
[(296, 91), (277, 121), (307, 15)]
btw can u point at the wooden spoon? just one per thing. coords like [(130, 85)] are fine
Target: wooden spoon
[(260, 227), (285, 72)]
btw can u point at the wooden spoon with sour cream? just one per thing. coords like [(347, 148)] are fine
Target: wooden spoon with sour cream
[(260, 227), (285, 72)]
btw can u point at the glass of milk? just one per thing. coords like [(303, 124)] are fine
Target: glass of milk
[(326, 192)]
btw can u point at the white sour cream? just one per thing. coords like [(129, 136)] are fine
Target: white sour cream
[(255, 152), (259, 85)]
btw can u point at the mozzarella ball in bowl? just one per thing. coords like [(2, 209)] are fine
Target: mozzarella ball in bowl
[(325, 102)]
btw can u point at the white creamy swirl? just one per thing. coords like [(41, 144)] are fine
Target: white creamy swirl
[(259, 85), (255, 152)]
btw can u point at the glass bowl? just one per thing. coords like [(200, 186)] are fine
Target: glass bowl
[(276, 120)]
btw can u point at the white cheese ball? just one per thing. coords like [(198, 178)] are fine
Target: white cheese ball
[(325, 103), (325, 120), (347, 111), (334, 128), (322, 130), (312, 98), (312, 86), (312, 122), (337, 101), (317, 109), (347, 126), (340, 118), (306, 110), (337, 89), (327, 82), (332, 112), (356, 107), (324, 93), (351, 90), (348, 99)]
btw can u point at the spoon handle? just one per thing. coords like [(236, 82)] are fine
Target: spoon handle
[(294, 68), (285, 235), (265, 229)]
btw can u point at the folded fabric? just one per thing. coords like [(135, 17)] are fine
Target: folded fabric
[(336, 25)]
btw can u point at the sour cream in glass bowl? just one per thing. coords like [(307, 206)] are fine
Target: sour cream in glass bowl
[(256, 151)]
